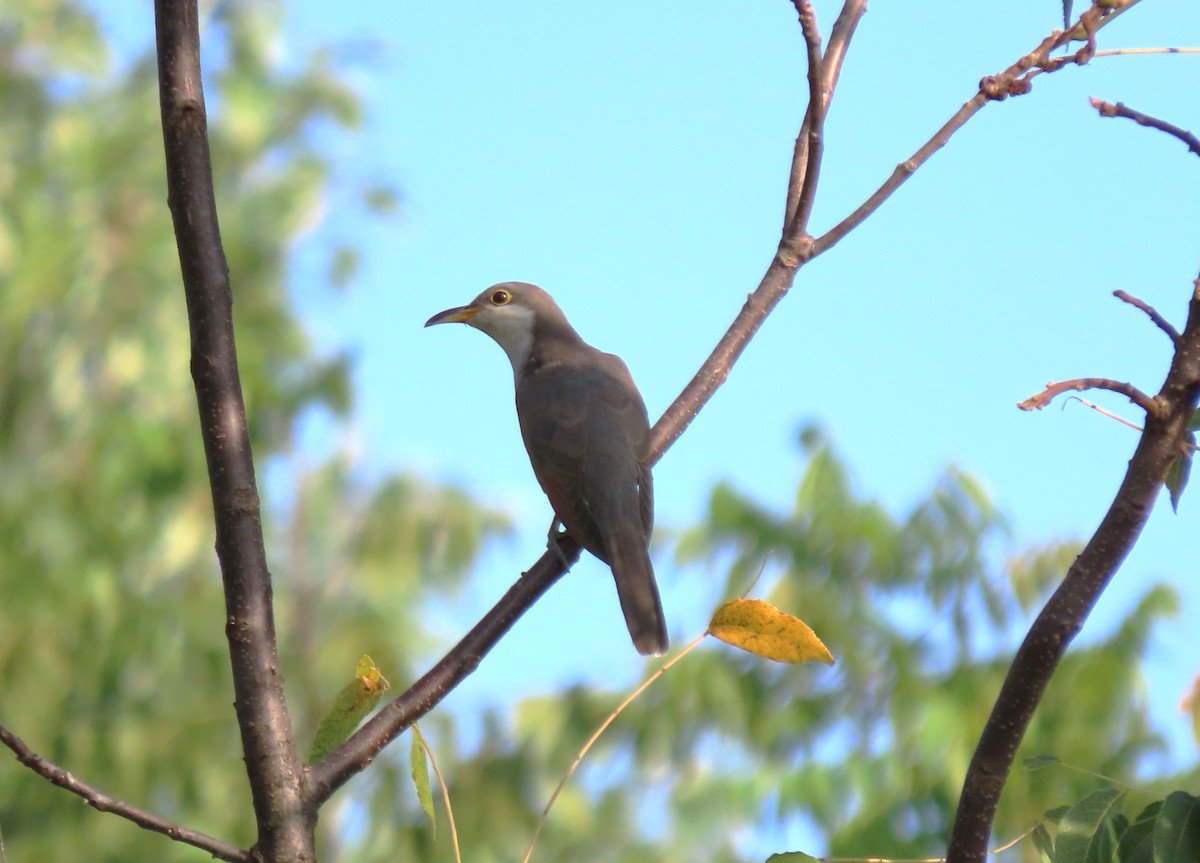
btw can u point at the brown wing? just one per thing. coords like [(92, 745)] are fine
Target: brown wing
[(586, 430)]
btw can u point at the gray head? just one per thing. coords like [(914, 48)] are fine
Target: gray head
[(512, 313)]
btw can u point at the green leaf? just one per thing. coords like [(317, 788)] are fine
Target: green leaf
[(1108, 837), (1178, 472), (1043, 843), (1039, 762), (1079, 833), (354, 702), (344, 266), (420, 775), (1137, 845), (1057, 814), (1194, 422), (791, 857), (382, 200), (1177, 829)]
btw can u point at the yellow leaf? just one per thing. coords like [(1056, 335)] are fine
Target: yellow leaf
[(760, 628)]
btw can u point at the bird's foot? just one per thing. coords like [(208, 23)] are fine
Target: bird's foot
[(552, 538)]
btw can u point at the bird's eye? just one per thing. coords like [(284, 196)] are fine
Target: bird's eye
[(500, 297)]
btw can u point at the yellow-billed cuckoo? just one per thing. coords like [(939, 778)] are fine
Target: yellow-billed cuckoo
[(587, 433)]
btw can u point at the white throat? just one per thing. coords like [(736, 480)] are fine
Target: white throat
[(512, 328)]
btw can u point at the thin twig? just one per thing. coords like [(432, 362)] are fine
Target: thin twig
[(1108, 109), (1103, 412), (1159, 321), (437, 771), (806, 158), (97, 799), (1039, 401), (1013, 81), (617, 711), (831, 65), (272, 764), (1121, 52), (999, 849), (839, 43)]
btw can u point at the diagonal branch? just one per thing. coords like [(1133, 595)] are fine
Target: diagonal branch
[(1166, 434), (274, 769), (1013, 81), (366, 743), (97, 799), (1065, 612)]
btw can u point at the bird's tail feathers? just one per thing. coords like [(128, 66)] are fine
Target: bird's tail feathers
[(638, 593)]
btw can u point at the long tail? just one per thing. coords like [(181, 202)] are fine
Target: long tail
[(638, 593)]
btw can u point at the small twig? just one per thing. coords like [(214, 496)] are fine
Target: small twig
[(1039, 401), (1121, 52), (1108, 109), (1103, 412), (1013, 81), (1000, 849), (437, 771), (620, 708), (831, 64), (97, 799), (1159, 321), (839, 43), (812, 131)]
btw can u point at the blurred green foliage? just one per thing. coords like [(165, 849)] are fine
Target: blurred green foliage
[(112, 654), (112, 651)]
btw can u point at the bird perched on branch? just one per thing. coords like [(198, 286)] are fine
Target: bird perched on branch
[(587, 433)]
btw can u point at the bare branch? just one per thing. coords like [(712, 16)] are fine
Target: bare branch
[(1065, 612), (1159, 321), (274, 769), (839, 43), (1039, 401), (1013, 81), (899, 176), (1108, 109), (806, 157), (831, 67), (97, 799)]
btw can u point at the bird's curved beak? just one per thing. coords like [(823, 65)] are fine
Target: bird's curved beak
[(457, 315)]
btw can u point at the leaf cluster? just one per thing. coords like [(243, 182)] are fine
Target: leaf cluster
[(1096, 829)]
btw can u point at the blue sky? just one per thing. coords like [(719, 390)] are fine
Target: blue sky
[(631, 157)]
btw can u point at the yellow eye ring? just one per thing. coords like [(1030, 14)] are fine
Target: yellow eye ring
[(500, 297)]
